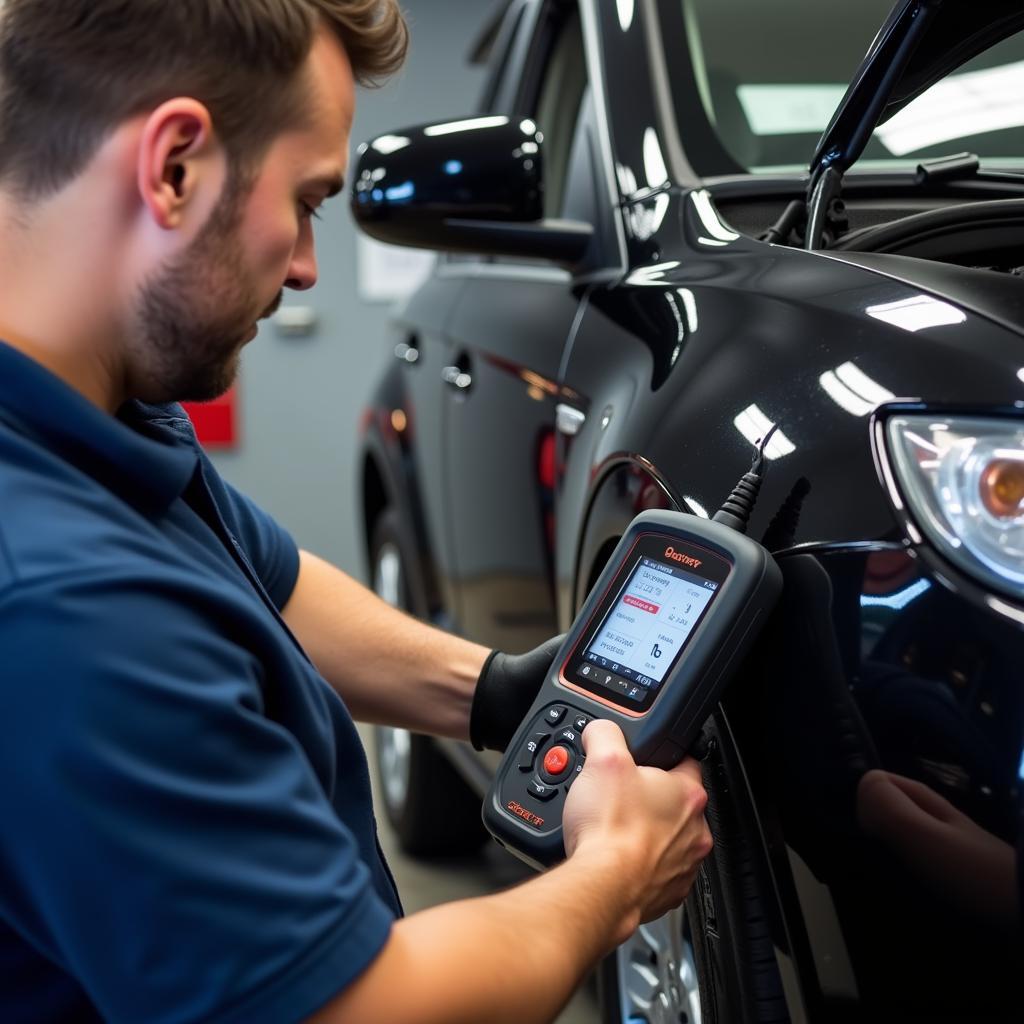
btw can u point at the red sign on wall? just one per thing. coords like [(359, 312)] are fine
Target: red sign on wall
[(216, 422)]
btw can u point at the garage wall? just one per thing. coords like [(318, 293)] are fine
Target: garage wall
[(300, 398)]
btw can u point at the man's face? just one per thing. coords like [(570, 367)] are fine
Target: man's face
[(195, 316)]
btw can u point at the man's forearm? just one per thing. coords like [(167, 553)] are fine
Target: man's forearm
[(513, 958), (388, 667)]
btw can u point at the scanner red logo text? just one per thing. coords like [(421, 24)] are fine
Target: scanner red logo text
[(676, 556), (528, 816)]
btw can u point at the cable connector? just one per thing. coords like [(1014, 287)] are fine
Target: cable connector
[(737, 508)]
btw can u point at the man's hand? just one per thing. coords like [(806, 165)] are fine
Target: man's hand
[(506, 688), (634, 835), (653, 819), (956, 856)]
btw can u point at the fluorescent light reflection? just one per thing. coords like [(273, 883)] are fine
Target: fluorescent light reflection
[(897, 601), (963, 105), (652, 274), (753, 425), (1008, 610), (1020, 375), (853, 390), (627, 8), (645, 219), (718, 232), (469, 125), (388, 144), (789, 109), (917, 313), (690, 305), (654, 160), (627, 179), (680, 329), (696, 507)]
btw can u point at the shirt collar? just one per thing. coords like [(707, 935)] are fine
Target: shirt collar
[(147, 454)]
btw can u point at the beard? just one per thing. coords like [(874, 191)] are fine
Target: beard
[(193, 319)]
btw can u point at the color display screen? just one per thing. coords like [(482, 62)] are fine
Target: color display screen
[(646, 619), (650, 622)]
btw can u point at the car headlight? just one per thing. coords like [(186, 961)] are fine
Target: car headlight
[(962, 479)]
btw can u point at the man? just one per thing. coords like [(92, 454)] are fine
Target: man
[(187, 832)]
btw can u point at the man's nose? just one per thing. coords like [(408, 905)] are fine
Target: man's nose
[(302, 274)]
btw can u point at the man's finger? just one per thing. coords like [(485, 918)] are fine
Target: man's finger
[(601, 736), (690, 768)]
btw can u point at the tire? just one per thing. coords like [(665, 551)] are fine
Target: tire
[(415, 778), (712, 961)]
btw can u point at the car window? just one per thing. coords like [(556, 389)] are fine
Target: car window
[(768, 110), (557, 109), (581, 186), (500, 89)]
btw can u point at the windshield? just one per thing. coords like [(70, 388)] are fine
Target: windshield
[(770, 75)]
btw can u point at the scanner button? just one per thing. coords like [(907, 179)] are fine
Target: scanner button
[(572, 778), (539, 791), (555, 714), (556, 760), (570, 736), (580, 722), (528, 755)]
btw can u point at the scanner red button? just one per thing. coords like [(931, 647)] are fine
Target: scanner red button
[(556, 760)]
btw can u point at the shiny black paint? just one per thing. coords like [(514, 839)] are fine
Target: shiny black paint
[(507, 334), (910, 921), (409, 182), (474, 185), (871, 918)]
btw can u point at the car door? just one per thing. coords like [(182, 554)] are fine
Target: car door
[(509, 331)]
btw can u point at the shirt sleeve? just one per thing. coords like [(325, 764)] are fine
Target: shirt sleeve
[(164, 843), (270, 549)]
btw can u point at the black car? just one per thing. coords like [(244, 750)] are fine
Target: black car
[(640, 275)]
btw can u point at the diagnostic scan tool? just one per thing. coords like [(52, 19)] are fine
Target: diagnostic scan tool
[(677, 606)]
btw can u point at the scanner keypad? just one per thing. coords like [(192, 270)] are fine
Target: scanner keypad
[(550, 759)]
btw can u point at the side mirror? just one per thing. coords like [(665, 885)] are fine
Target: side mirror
[(474, 185)]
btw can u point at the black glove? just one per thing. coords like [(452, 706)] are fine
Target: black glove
[(506, 688)]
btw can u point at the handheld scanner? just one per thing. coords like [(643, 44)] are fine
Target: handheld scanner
[(678, 604)]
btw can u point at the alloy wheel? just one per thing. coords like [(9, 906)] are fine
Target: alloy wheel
[(657, 973), (393, 745)]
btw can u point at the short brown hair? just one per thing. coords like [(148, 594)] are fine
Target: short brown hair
[(71, 71)]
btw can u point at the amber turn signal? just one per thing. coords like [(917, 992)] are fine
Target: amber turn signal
[(1002, 488)]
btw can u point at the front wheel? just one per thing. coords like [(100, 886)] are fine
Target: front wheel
[(712, 961), (431, 809)]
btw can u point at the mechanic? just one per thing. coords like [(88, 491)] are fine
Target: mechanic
[(188, 833)]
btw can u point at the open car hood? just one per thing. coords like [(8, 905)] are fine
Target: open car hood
[(920, 42)]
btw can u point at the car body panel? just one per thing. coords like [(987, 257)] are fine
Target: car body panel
[(881, 656), (508, 332)]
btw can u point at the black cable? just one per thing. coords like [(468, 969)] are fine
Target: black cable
[(737, 508), (781, 532)]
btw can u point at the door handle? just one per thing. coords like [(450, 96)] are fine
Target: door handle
[(456, 377), (407, 352), (568, 420)]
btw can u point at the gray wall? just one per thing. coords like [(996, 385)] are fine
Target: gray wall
[(300, 399)]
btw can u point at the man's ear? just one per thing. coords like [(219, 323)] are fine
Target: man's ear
[(180, 162)]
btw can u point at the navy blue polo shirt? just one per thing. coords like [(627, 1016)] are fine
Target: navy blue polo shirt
[(186, 830)]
